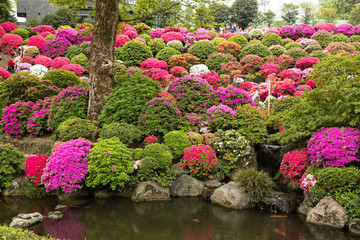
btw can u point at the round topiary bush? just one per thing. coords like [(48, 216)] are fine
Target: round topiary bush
[(216, 41), (67, 166), (126, 133), (165, 53), (31, 51), (34, 168), (109, 164), (323, 38), (124, 103), (271, 39), (215, 60), (239, 39), (257, 184), (142, 28), (177, 142), (160, 153), (277, 50), (319, 54), (50, 37), (71, 102), (82, 60), (255, 49), (229, 47), (156, 45), (23, 33), (202, 50), (76, 50), (59, 62), (340, 38), (185, 60), (62, 78), (74, 128), (296, 54), (10, 159), (176, 45), (134, 52), (191, 93), (292, 45), (36, 41), (340, 48), (56, 48), (159, 116)]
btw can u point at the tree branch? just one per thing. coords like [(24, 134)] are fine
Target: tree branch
[(149, 15)]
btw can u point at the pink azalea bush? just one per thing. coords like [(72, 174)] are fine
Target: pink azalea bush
[(150, 140), (37, 41), (287, 32), (45, 34), (345, 28), (212, 78), (67, 33), (292, 74), (10, 42), (58, 62), (171, 36), (67, 166), (56, 47), (121, 40), (37, 124), (43, 60), (335, 146), (178, 71), (9, 26), (34, 168), (75, 68), (29, 60), (154, 63), (294, 164), (4, 74), (24, 67), (2, 31), (340, 48), (157, 33), (231, 96), (306, 62), (269, 68), (325, 26), (129, 31), (43, 28), (303, 31)]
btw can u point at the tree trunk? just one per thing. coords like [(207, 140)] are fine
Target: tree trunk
[(101, 55)]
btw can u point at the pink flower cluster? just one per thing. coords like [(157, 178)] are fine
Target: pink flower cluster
[(37, 41), (269, 68), (67, 166), (170, 36), (43, 60), (34, 167), (43, 28), (67, 33), (150, 140), (58, 62), (10, 42), (294, 164), (154, 63), (9, 26), (56, 47), (345, 28), (75, 68), (307, 181), (325, 26), (121, 40), (178, 71), (306, 62), (4, 74), (157, 33), (233, 97), (335, 146), (129, 31), (212, 78)]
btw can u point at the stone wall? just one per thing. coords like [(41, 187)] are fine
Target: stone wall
[(35, 8)]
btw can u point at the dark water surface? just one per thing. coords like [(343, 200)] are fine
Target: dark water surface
[(178, 219)]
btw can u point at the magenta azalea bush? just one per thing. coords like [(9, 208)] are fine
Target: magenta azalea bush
[(306, 62), (10, 42), (121, 40), (67, 33), (75, 68), (58, 62), (43, 60), (171, 36), (66, 168), (43, 28), (9, 26), (154, 63), (303, 31), (4, 74), (56, 47), (335, 146), (37, 41), (345, 28), (233, 97)]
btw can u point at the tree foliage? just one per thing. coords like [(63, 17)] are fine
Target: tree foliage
[(5, 11), (354, 17), (244, 12), (290, 13), (269, 17), (309, 13), (329, 14)]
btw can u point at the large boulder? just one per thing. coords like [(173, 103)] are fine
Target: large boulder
[(328, 212), (17, 188), (354, 226), (150, 191), (305, 206), (186, 186), (26, 220), (231, 195), (281, 202)]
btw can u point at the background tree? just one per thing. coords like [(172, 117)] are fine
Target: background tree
[(309, 13), (222, 14), (328, 14), (343, 7), (269, 17), (5, 11), (259, 20), (290, 13), (244, 12), (62, 16), (264, 4), (354, 17)]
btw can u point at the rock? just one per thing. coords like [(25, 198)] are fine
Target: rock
[(150, 191), (282, 202), (231, 196), (212, 184), (354, 226), (305, 206), (186, 186), (17, 187), (104, 193), (55, 215), (248, 161), (177, 167), (206, 194), (61, 207), (329, 213), (26, 220), (79, 193)]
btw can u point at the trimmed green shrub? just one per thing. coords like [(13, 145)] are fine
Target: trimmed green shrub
[(177, 142), (277, 50), (82, 60), (31, 51), (257, 184), (75, 50), (295, 54), (292, 45), (156, 45), (165, 53), (232, 149), (137, 153), (271, 39), (134, 52), (142, 28), (176, 45), (146, 37), (255, 34), (50, 37), (255, 49), (62, 78), (323, 38), (312, 48), (119, 68), (356, 45), (24, 86), (354, 38), (239, 39), (215, 60), (124, 103), (319, 54), (160, 153), (127, 133), (21, 32), (74, 128), (216, 41), (20, 234), (10, 159), (340, 38), (202, 50), (109, 164)]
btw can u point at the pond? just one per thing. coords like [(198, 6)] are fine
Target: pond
[(178, 219)]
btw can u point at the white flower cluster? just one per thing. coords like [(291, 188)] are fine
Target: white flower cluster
[(38, 70), (199, 69)]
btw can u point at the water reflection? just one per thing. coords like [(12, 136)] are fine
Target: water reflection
[(178, 219)]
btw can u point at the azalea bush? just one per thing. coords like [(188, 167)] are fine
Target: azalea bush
[(110, 165), (255, 49), (75, 68), (62, 78), (81, 60), (345, 28), (68, 33), (322, 37), (43, 60), (306, 62), (34, 168), (127, 133), (294, 164), (10, 42), (215, 60), (334, 146), (9, 26), (251, 63), (201, 160), (150, 140), (212, 78), (219, 117), (171, 36), (154, 63), (159, 116), (202, 50), (185, 60), (229, 47), (233, 97), (67, 166), (339, 48), (56, 48), (59, 62), (166, 53)]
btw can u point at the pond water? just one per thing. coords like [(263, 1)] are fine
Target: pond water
[(178, 219)]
